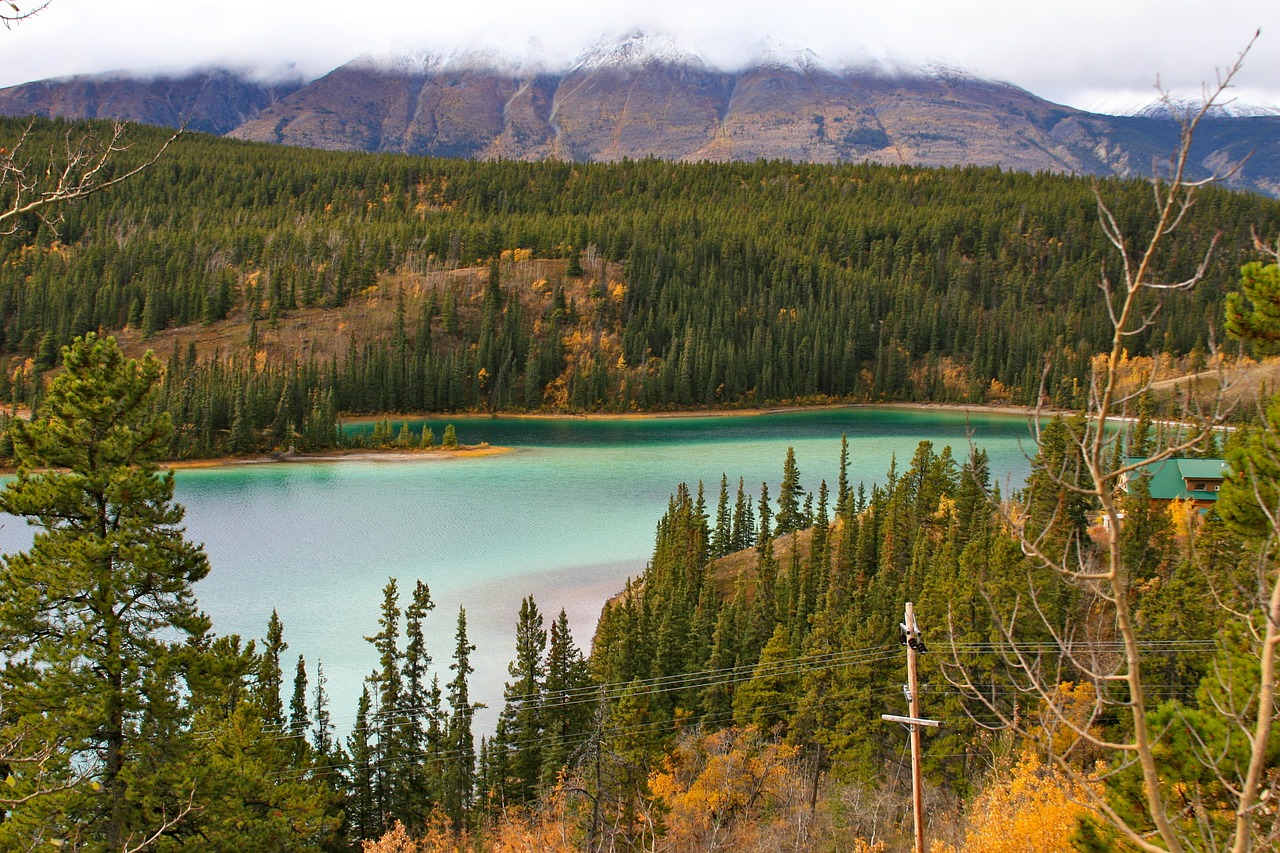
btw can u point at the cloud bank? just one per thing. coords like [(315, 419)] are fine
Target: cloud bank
[(1085, 54)]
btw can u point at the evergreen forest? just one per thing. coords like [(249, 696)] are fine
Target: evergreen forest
[(635, 286)]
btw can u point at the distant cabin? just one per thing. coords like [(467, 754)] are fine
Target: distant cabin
[(1195, 480)]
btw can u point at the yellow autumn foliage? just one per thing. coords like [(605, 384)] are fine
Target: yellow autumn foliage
[(439, 837), (720, 790), (1030, 808), (545, 829)]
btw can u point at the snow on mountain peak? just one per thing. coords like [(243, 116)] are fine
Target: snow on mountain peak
[(413, 60), (636, 48), (772, 53), (1181, 108)]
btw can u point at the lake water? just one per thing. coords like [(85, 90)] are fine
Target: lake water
[(566, 516)]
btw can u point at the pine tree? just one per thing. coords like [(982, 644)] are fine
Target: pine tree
[(251, 793), (97, 613)]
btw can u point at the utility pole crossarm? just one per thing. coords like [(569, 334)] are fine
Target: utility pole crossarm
[(909, 721), (915, 646)]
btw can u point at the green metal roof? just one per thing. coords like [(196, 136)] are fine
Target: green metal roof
[(1169, 477), (1202, 468)]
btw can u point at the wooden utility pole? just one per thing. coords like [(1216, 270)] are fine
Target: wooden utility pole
[(910, 637)]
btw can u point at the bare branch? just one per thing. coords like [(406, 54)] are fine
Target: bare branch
[(79, 171), (12, 14), (166, 823)]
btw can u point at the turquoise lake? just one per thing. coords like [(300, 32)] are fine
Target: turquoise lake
[(566, 516)]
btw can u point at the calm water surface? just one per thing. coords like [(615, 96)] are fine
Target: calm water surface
[(567, 516)]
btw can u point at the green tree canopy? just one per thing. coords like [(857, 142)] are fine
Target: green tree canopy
[(96, 615)]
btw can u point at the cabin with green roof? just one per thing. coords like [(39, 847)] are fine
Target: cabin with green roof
[(1195, 480)]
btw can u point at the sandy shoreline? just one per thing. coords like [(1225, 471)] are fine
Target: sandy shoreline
[(355, 454)]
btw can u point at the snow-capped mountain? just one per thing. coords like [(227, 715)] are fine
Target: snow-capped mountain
[(647, 95)]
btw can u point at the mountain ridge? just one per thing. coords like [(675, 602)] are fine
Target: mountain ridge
[(647, 96)]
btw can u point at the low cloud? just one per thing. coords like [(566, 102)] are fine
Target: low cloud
[(1082, 54)]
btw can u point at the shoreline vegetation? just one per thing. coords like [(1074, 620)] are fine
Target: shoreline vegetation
[(473, 451), (484, 449)]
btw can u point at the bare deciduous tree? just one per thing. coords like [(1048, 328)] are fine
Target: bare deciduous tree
[(1105, 646)]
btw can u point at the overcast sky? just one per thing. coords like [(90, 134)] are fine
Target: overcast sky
[(1088, 53)]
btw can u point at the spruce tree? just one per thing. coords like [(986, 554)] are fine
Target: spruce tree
[(789, 517), (460, 751), (843, 493), (721, 540), (766, 519), (322, 728), (269, 678), (521, 725), (768, 697), (417, 778), (299, 716), (362, 811), (386, 743), (566, 711), (744, 521)]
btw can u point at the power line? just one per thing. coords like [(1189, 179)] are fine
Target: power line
[(782, 667), (723, 676)]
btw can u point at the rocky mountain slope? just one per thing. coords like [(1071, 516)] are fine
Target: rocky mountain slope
[(214, 101), (643, 97)]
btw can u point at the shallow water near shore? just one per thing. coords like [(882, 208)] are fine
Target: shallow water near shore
[(567, 517)]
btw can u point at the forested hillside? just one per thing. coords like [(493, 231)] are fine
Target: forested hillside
[(678, 285)]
